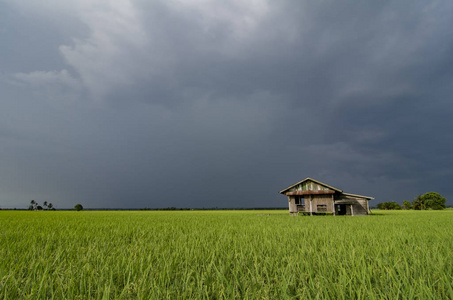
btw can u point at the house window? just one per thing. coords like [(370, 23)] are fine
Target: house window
[(322, 208), (299, 200)]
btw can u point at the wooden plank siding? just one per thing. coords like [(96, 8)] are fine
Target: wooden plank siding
[(292, 204), (319, 201)]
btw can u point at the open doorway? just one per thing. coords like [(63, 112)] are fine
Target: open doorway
[(341, 209)]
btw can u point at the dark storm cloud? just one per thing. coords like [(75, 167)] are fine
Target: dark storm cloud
[(213, 103)]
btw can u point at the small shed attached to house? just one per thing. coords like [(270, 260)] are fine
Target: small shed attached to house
[(310, 196)]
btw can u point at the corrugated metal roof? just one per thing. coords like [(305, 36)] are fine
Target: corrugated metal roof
[(309, 193)]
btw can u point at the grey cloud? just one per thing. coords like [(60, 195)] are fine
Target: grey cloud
[(207, 103)]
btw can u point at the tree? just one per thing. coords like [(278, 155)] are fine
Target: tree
[(45, 206), (434, 200), (418, 203), (407, 204), (431, 200), (78, 207), (33, 205)]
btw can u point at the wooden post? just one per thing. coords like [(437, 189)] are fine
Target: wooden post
[(311, 209), (352, 210), (333, 206), (291, 209)]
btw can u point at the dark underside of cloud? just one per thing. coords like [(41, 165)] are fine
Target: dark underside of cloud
[(223, 104)]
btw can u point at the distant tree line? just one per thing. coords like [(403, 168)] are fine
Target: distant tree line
[(391, 205), (431, 200), (49, 206), (45, 206), (165, 208), (216, 208)]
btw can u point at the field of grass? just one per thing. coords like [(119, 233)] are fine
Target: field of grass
[(225, 254)]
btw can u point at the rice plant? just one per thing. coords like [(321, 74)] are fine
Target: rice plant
[(224, 255)]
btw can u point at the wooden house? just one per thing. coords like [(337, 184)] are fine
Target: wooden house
[(310, 196)]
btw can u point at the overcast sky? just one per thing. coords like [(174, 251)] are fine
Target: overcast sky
[(199, 103)]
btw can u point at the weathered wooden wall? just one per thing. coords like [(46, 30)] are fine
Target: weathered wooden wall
[(322, 200), (292, 204), (360, 206)]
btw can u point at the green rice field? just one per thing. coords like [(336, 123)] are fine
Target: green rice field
[(225, 255)]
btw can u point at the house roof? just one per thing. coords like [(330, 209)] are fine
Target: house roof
[(359, 196), (311, 179)]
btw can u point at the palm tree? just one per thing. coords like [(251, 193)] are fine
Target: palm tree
[(45, 204), (50, 206), (419, 203), (33, 204)]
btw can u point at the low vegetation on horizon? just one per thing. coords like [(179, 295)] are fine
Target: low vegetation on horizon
[(431, 200), (45, 206), (225, 254)]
